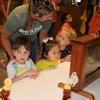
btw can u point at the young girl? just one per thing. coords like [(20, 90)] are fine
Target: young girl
[(21, 66), (51, 54)]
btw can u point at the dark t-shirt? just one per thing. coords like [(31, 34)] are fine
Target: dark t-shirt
[(66, 51)]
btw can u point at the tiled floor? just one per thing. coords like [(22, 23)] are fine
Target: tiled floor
[(94, 88)]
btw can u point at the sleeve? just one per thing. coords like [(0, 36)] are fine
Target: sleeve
[(47, 25), (12, 23), (31, 64), (11, 71)]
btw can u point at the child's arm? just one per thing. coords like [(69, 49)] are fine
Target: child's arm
[(29, 73), (67, 58)]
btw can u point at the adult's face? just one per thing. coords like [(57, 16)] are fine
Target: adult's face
[(43, 18)]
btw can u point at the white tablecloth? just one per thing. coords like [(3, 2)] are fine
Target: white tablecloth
[(45, 87)]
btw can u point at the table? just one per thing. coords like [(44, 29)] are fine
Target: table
[(44, 87)]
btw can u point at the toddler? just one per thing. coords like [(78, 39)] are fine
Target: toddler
[(63, 39), (22, 66), (51, 54)]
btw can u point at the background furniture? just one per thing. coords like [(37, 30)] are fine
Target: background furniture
[(86, 59)]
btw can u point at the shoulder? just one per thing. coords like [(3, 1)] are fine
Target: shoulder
[(29, 61), (42, 64), (11, 64), (19, 10), (30, 64)]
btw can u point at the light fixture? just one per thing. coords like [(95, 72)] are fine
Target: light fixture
[(78, 0), (73, 2)]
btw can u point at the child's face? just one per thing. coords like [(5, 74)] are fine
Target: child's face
[(21, 55), (54, 53), (62, 39)]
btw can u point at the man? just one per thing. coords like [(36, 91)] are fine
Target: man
[(28, 19)]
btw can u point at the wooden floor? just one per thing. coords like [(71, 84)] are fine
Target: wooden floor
[(3, 75)]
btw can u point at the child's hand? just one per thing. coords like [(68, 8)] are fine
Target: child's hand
[(33, 76), (33, 73), (67, 58)]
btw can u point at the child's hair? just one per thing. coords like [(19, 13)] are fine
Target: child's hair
[(48, 46), (21, 41)]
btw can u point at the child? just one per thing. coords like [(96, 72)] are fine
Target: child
[(51, 54), (21, 66), (63, 39)]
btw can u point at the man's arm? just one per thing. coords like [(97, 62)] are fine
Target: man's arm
[(6, 43), (9, 28), (43, 34), (44, 31)]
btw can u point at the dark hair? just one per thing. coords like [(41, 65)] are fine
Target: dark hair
[(42, 7), (21, 41), (47, 46), (63, 16)]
